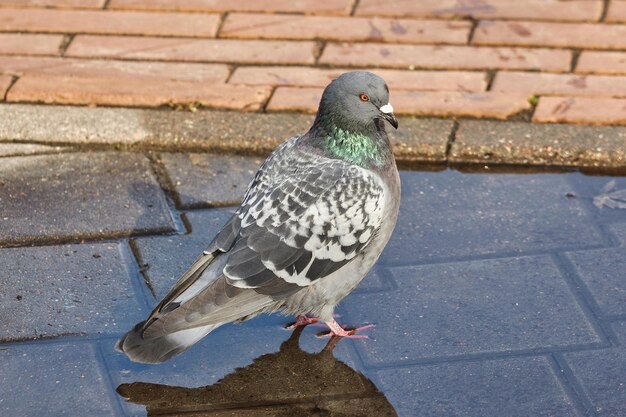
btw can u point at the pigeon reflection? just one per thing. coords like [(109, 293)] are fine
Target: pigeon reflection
[(290, 382)]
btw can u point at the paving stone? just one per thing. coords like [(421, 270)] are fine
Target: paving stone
[(108, 22), (58, 379), (567, 35), (83, 4), (511, 387), (72, 289), (219, 131), (79, 195), (396, 80), (560, 84), (600, 62), (30, 44), (581, 110), (444, 57), (18, 149), (193, 50), (152, 72), (470, 308), (421, 103), (5, 82), (134, 91), (603, 195), (341, 7), (283, 26), (504, 9), (539, 144), (450, 215), (602, 271), (209, 180), (602, 375), (616, 12)]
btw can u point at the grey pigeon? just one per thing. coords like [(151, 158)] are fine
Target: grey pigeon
[(312, 223)]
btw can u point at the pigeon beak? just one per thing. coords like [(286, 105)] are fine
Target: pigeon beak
[(387, 111)]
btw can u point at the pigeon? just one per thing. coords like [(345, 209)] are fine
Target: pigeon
[(312, 223)]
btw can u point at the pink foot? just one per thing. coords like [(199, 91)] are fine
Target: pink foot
[(303, 321), (337, 330)]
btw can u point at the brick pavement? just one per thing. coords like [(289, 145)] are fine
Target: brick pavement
[(543, 60)]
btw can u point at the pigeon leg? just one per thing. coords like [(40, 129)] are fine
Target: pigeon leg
[(303, 320), (337, 330)]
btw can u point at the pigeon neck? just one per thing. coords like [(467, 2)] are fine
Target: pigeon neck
[(366, 149)]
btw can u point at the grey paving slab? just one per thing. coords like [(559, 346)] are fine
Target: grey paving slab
[(451, 215), (518, 387), (604, 273), (60, 379), (250, 133), (602, 374), (209, 180), (79, 195), (470, 308), (605, 196), (539, 144), (71, 289), (15, 149)]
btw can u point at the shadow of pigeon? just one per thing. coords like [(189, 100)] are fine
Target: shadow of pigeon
[(289, 382)]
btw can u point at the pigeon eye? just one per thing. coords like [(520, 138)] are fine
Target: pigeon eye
[(364, 97)]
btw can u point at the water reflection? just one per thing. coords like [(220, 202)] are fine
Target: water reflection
[(289, 382)]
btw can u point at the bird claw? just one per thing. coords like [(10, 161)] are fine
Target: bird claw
[(340, 331)]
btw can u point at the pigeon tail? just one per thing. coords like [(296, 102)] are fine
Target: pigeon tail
[(161, 348)]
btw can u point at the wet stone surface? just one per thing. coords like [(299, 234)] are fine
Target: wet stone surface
[(499, 294), (433, 311), (71, 289), (204, 180), (72, 196), (449, 216), (60, 379)]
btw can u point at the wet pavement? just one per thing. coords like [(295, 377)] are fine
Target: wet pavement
[(499, 294)]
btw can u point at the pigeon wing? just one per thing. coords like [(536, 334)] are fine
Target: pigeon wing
[(305, 226)]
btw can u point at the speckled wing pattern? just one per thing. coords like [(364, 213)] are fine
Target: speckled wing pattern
[(303, 218)]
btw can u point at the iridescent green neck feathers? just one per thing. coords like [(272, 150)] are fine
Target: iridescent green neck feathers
[(357, 148)]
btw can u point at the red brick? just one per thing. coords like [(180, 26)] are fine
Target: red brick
[(580, 10), (74, 4), (18, 65), (440, 103), (602, 62), (200, 50), (396, 79), (568, 35), (617, 12), (444, 57), (26, 44), (534, 83), (5, 82), (134, 91), (340, 7), (282, 26), (581, 110), (109, 22)]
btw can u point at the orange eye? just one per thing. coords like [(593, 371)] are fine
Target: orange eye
[(364, 97)]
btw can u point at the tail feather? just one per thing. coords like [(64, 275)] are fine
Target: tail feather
[(161, 348)]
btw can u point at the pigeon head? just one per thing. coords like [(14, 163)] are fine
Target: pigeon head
[(354, 101)]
